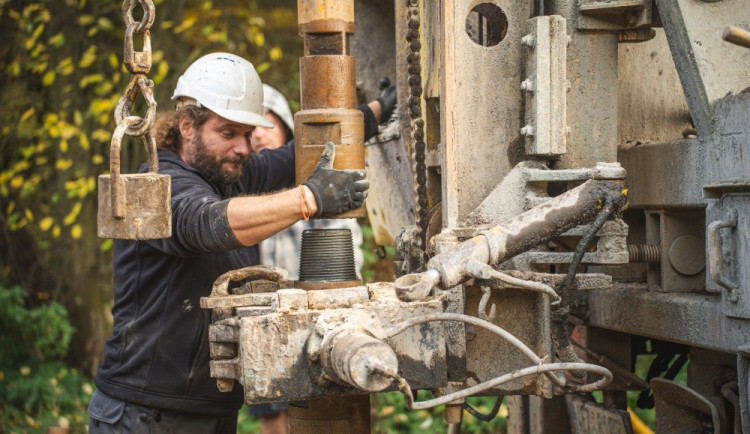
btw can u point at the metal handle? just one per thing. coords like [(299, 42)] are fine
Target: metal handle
[(736, 36), (265, 272), (117, 189), (715, 256)]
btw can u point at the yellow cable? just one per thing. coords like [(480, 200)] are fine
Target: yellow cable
[(638, 426)]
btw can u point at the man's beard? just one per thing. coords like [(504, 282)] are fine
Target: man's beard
[(212, 169)]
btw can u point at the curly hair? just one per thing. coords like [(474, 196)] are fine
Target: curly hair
[(167, 125)]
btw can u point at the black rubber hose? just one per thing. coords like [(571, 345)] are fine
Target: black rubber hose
[(484, 417), (560, 336)]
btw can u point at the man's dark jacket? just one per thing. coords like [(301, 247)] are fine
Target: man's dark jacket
[(158, 353)]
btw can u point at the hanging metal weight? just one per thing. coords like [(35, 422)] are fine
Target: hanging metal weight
[(135, 206)]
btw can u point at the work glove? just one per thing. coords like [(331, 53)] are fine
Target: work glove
[(336, 191), (387, 99)]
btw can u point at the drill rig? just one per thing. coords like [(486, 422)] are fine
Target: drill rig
[(524, 131)]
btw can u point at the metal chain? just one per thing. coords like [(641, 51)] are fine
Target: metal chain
[(138, 63), (417, 124)]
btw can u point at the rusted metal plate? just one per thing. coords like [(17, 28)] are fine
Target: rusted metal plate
[(146, 211), (588, 417), (681, 409)]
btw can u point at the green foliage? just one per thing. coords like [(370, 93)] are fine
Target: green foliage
[(36, 389), (392, 416), (378, 260), (247, 423), (62, 76)]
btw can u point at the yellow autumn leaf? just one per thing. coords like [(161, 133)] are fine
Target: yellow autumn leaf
[(39, 67), (67, 131), (106, 245), (48, 78), (259, 39), (85, 19), (187, 23), (275, 53), (97, 159), (162, 69), (56, 231), (84, 140), (57, 39), (101, 135), (63, 164), (88, 57), (104, 23), (100, 105), (73, 214), (65, 67), (63, 146), (75, 232), (16, 181), (21, 166), (29, 215), (27, 114), (51, 118), (30, 421), (67, 70), (45, 223)]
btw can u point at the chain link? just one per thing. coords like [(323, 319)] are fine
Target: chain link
[(414, 106), (138, 63)]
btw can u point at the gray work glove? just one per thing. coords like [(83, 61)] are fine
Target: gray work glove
[(387, 99), (336, 191)]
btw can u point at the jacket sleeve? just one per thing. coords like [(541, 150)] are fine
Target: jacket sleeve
[(199, 218), (270, 170)]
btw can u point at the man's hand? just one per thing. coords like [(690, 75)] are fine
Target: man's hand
[(336, 191)]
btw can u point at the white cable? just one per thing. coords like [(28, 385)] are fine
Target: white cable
[(411, 404)]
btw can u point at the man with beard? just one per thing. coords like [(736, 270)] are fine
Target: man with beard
[(155, 373)]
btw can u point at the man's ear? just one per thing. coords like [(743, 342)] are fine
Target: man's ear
[(186, 128)]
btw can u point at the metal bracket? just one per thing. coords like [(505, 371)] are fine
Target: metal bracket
[(716, 256)]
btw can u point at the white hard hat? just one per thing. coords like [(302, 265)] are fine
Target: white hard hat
[(227, 85), (275, 102)]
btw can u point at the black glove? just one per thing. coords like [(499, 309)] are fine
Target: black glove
[(336, 191), (387, 99)]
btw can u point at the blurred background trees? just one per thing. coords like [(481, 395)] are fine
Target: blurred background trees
[(62, 76)]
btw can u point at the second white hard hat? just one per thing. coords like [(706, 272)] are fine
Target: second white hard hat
[(227, 85), (275, 102)]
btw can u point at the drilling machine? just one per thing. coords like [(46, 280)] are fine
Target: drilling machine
[(523, 131)]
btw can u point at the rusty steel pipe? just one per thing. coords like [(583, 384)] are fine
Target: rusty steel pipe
[(517, 235), (328, 93)]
